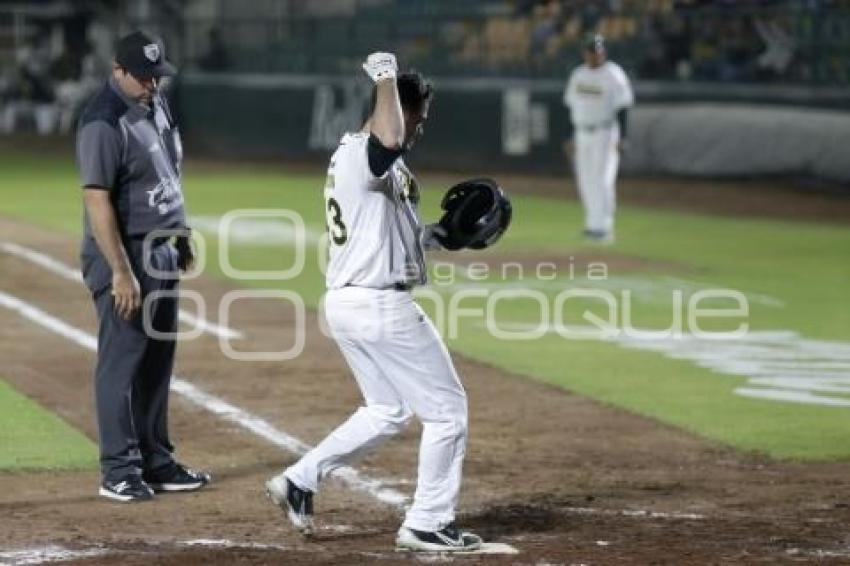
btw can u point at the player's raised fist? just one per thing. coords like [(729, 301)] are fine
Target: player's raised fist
[(380, 66)]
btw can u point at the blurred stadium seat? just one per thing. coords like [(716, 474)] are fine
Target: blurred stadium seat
[(778, 55)]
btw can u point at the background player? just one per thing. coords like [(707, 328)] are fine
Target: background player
[(598, 94), (399, 361)]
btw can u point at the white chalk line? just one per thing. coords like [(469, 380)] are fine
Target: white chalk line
[(225, 543), (49, 553), (819, 552), (70, 273), (227, 411), (56, 553), (636, 513)]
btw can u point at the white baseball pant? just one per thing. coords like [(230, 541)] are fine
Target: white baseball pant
[(403, 369), (596, 162)]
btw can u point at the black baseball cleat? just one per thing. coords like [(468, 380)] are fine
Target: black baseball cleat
[(128, 490), (447, 539), (176, 477), (599, 236), (297, 503)]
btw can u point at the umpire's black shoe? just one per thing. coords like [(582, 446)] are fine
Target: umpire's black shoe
[(176, 477), (297, 503), (129, 490), (447, 539)]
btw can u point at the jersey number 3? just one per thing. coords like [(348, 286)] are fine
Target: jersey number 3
[(336, 227)]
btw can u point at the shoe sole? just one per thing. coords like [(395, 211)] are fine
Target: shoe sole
[(603, 240), (430, 547), (177, 486), (103, 492), (303, 528)]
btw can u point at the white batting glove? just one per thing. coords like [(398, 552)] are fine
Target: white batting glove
[(380, 66)]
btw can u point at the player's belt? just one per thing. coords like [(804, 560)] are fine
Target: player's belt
[(594, 127), (394, 287)]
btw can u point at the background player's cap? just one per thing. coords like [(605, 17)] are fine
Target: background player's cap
[(594, 42), (143, 56)]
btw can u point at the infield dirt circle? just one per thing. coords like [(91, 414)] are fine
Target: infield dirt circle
[(561, 478)]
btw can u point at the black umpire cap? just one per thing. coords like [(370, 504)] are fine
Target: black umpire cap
[(143, 56), (594, 42)]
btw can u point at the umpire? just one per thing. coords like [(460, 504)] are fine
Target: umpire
[(129, 155)]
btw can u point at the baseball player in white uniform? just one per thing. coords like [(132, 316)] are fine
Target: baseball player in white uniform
[(396, 355), (598, 95)]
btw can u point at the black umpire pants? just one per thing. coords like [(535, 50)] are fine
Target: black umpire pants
[(133, 371)]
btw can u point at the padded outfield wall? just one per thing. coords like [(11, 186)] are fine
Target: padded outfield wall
[(487, 125)]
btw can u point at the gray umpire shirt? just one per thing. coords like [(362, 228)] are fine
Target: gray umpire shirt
[(133, 151)]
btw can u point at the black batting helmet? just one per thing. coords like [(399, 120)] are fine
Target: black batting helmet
[(477, 213)]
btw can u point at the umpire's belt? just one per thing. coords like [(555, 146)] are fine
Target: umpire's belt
[(154, 242)]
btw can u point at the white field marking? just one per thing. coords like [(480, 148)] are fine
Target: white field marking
[(49, 553), (792, 396), (224, 543), (636, 513), (260, 427), (72, 274), (255, 231), (338, 528), (780, 365), (820, 553)]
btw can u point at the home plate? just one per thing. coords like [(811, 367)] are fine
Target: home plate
[(485, 548), (494, 548)]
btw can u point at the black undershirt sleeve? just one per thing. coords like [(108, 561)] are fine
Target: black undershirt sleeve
[(622, 118), (380, 157)]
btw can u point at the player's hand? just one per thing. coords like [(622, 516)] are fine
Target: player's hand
[(432, 234), (126, 293), (185, 253), (569, 148), (380, 66), (622, 146)]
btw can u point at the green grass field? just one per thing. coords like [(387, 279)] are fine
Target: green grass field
[(794, 275), (33, 438)]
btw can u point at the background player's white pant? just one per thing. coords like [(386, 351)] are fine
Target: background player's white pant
[(403, 369), (596, 162)]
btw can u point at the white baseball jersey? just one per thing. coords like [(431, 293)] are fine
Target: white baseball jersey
[(595, 95), (373, 223)]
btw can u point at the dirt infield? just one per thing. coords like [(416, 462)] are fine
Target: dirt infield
[(562, 479)]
